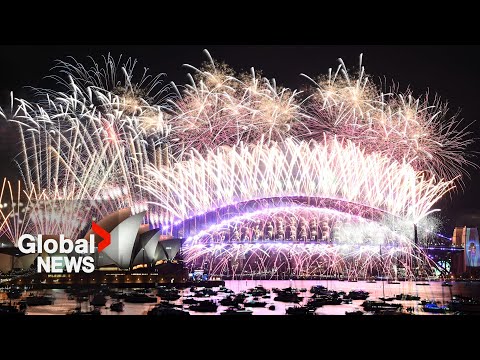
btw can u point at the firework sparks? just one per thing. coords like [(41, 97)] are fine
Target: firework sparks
[(330, 169), (108, 141), (219, 109), (393, 124)]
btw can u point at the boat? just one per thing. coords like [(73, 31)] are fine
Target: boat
[(78, 311), (11, 309), (236, 311), (98, 300), (258, 291), (315, 303), (354, 313), (387, 298), (204, 306), (464, 304), (39, 300), (225, 290), (117, 306), (434, 308), (319, 301), (423, 284), (138, 298), (160, 310), (318, 289), (300, 310), (288, 297), (169, 296), (407, 297), (144, 291), (254, 303), (190, 301), (291, 290), (370, 305), (393, 282), (14, 293), (302, 290), (210, 292), (228, 301), (117, 294), (446, 283), (358, 295)]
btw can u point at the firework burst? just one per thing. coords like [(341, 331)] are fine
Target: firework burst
[(219, 109), (396, 125)]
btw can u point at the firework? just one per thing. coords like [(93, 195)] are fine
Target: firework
[(219, 109), (330, 169), (14, 219), (393, 124), (354, 166), (73, 150)]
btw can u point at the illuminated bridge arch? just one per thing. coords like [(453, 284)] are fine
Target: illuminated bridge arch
[(196, 224)]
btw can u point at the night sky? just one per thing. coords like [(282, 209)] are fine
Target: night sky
[(452, 72)]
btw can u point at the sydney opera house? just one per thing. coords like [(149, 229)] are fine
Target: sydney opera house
[(137, 254)]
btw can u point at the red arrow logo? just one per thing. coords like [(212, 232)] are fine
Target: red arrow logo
[(105, 235)]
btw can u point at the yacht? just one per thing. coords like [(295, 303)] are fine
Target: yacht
[(78, 311), (318, 289), (370, 305), (98, 300), (254, 303), (204, 306), (159, 310), (169, 296), (11, 309), (407, 297), (357, 295), (387, 298), (288, 297), (190, 301), (356, 312), (300, 310), (434, 308), (393, 282), (235, 311), (14, 293), (139, 298), (39, 300), (464, 304), (117, 306)]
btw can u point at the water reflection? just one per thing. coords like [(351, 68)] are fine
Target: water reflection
[(435, 291)]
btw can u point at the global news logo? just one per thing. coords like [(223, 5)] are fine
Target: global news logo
[(65, 254)]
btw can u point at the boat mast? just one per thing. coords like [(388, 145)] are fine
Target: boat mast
[(383, 277)]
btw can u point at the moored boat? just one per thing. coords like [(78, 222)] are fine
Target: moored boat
[(117, 306)]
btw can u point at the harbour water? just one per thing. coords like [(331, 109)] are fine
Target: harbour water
[(434, 291)]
